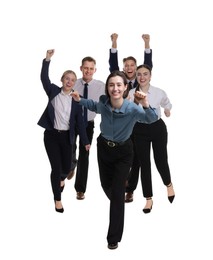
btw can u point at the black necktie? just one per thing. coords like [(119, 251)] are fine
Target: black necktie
[(130, 85), (85, 96)]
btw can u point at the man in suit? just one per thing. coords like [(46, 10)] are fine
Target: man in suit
[(129, 63), (129, 69), (95, 88)]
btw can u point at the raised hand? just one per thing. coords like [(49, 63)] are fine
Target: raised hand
[(49, 54), (114, 38), (146, 38)]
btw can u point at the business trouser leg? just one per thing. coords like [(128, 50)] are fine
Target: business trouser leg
[(159, 144), (83, 162), (114, 164)]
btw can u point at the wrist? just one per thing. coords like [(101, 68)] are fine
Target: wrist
[(146, 107)]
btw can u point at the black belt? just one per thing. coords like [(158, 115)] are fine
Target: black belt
[(113, 143), (61, 131)]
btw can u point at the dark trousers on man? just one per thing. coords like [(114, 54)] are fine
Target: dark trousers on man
[(83, 161)]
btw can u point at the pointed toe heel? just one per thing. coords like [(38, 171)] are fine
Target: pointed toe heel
[(61, 210), (171, 197)]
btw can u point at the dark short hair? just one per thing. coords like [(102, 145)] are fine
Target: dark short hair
[(88, 58), (130, 58)]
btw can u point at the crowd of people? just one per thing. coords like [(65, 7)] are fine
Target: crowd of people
[(131, 124)]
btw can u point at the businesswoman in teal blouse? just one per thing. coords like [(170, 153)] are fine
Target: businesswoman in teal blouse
[(114, 145)]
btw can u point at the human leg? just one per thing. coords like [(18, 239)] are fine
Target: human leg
[(53, 151), (161, 156), (142, 142), (83, 163), (114, 164)]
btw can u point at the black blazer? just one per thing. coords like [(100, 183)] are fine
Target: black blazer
[(113, 62), (47, 119)]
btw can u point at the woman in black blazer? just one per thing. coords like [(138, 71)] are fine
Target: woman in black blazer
[(61, 118)]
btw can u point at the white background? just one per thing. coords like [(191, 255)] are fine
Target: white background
[(181, 39)]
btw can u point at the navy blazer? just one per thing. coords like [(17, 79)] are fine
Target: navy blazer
[(47, 119), (113, 62)]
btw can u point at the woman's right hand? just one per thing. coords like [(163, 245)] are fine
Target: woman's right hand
[(75, 96)]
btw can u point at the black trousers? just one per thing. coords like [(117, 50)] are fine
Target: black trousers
[(59, 151), (83, 161), (114, 166), (144, 136)]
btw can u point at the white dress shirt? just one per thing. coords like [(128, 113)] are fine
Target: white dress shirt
[(62, 106), (157, 98), (96, 88)]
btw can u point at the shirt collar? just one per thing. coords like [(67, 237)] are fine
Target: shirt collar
[(118, 110), (65, 94)]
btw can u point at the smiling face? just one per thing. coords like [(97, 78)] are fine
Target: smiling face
[(130, 67), (143, 76), (88, 68), (68, 80), (116, 88)]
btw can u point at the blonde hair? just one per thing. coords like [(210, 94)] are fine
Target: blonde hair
[(68, 72)]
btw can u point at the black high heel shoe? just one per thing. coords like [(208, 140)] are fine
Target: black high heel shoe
[(170, 198), (61, 210), (148, 210)]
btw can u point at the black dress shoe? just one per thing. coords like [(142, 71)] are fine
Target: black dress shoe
[(129, 197), (112, 245), (80, 195)]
